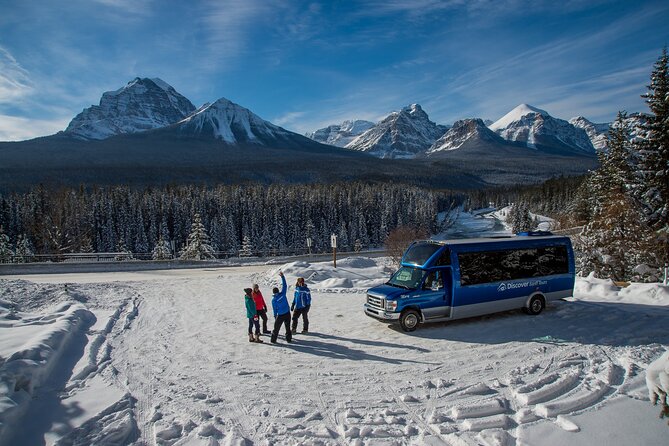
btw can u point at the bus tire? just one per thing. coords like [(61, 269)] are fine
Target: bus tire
[(536, 305), (409, 320)]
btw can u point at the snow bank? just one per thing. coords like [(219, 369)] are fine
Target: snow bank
[(657, 379), (32, 345), (354, 274), (604, 290)]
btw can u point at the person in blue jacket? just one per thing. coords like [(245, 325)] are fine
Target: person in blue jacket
[(301, 305), (281, 311)]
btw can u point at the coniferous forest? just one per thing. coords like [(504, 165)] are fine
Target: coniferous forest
[(273, 219)]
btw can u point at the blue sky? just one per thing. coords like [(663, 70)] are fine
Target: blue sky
[(307, 64)]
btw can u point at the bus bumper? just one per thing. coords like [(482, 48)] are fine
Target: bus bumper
[(380, 314)]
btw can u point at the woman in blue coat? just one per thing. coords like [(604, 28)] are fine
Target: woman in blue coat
[(301, 305)]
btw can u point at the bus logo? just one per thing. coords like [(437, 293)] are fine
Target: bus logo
[(501, 287)]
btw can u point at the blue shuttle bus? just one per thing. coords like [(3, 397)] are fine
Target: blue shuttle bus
[(455, 279)]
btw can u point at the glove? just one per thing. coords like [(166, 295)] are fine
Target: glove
[(255, 318), (292, 307)]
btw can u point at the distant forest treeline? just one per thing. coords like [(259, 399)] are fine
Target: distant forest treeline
[(276, 218), (552, 198)]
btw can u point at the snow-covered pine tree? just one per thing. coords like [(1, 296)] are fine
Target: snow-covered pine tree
[(122, 252), (24, 249), (653, 187), (521, 219), (6, 252), (162, 250), (247, 247), (616, 241), (197, 245)]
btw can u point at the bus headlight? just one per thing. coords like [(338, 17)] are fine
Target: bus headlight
[(391, 305)]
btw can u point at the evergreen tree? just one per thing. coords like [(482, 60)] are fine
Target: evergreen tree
[(521, 219), (616, 241), (162, 250), (24, 249), (197, 245), (653, 187), (6, 252), (247, 247)]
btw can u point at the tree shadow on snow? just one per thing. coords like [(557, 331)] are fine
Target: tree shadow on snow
[(601, 323), (338, 351), (370, 343)]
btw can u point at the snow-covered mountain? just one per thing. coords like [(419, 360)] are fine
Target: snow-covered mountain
[(340, 134), (143, 104), (402, 134), (536, 129), (231, 123), (464, 132), (597, 133)]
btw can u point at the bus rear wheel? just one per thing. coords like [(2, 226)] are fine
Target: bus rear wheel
[(536, 306), (409, 320)]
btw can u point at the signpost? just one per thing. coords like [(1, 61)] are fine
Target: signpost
[(333, 243)]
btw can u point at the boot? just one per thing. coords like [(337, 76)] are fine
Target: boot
[(257, 338), (293, 329), (251, 338)]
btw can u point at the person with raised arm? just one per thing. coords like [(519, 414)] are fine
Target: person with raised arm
[(281, 311)]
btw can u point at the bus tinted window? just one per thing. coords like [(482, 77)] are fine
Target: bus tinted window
[(512, 264), (419, 253)]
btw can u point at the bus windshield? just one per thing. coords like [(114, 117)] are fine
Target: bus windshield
[(419, 253), (406, 277)]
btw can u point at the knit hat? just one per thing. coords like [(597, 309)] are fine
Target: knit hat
[(248, 291)]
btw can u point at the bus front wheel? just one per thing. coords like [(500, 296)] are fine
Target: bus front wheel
[(536, 305), (409, 320)]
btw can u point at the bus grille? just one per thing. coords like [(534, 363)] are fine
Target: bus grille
[(375, 302)]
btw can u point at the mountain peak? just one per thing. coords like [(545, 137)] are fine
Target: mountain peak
[(143, 104), (514, 115), (536, 129), (230, 122), (341, 134), (401, 134)]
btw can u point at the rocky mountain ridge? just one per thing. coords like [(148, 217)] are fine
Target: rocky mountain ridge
[(143, 104)]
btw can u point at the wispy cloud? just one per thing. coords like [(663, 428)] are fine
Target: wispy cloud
[(13, 128), (15, 81)]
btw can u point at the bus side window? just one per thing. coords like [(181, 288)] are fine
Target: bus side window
[(434, 281)]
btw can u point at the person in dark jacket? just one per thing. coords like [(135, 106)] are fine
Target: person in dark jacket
[(252, 315), (281, 311), (261, 307), (301, 305)]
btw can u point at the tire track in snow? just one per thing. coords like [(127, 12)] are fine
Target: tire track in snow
[(417, 418)]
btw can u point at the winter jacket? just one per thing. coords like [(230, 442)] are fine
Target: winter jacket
[(259, 300), (302, 297), (250, 307), (280, 301)]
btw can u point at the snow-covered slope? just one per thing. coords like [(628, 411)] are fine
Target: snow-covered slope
[(401, 134), (232, 123), (340, 134), (472, 131), (597, 133), (167, 362), (536, 129), (143, 104)]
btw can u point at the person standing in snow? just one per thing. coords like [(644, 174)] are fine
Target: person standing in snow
[(281, 311), (261, 307), (252, 315), (301, 305)]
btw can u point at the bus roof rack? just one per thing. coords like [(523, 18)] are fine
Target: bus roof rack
[(534, 233)]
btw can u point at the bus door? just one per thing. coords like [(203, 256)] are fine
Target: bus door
[(436, 294)]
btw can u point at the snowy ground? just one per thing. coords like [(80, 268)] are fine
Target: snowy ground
[(162, 357)]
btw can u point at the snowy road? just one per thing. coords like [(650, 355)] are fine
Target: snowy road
[(168, 362)]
